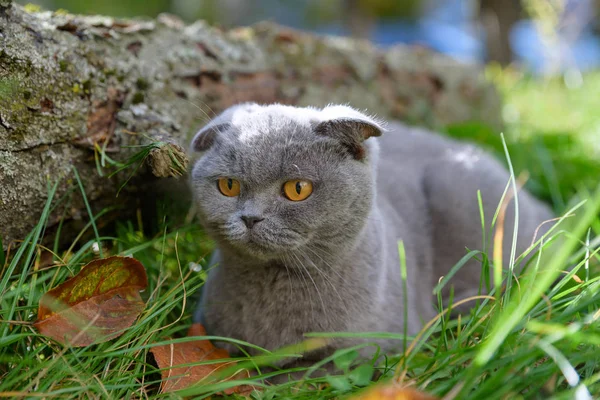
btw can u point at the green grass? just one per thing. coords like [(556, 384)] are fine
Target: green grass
[(552, 132), (539, 339)]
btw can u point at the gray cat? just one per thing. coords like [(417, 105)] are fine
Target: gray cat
[(307, 209)]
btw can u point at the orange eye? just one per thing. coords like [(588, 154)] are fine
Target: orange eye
[(229, 187), (297, 189)]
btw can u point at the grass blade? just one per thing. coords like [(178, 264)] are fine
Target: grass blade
[(89, 210)]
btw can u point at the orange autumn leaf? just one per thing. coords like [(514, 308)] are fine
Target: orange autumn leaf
[(175, 377), (393, 392), (96, 304)]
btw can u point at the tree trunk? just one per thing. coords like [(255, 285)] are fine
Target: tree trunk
[(498, 18), (75, 90)]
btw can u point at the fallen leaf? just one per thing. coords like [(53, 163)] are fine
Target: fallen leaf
[(393, 392), (175, 377), (96, 304)]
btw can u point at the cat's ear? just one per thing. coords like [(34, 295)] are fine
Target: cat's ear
[(206, 136), (222, 123), (349, 126)]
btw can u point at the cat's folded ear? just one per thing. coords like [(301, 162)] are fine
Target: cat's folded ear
[(206, 136), (350, 127), (222, 123)]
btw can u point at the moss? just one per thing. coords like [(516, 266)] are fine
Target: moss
[(8, 87), (28, 68), (32, 8), (142, 84), (63, 65), (138, 98), (87, 86)]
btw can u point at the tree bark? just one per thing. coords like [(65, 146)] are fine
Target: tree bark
[(74, 88)]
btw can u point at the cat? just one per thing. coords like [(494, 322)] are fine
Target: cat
[(307, 207)]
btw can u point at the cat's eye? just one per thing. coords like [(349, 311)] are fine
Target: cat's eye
[(297, 189), (229, 187)]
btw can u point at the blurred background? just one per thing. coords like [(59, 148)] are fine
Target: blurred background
[(543, 55), (547, 36)]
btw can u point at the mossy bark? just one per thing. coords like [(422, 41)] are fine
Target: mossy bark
[(71, 85)]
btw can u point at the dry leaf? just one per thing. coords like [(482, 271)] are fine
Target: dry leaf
[(393, 392), (96, 304), (169, 356)]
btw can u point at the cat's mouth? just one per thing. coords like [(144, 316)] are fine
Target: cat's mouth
[(258, 247), (266, 244), (273, 246)]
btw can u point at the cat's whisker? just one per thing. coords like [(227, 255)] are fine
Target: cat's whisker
[(313, 250), (208, 117), (287, 270), (313, 281), (298, 273), (324, 275), (210, 109)]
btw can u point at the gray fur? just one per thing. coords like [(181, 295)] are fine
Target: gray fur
[(330, 263)]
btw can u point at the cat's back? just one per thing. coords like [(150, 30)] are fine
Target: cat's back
[(405, 154), (410, 160), (406, 148)]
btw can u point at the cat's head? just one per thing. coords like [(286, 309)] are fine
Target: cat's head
[(274, 180)]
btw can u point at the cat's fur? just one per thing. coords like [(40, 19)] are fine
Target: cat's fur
[(330, 263)]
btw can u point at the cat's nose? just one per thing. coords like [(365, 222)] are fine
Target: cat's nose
[(250, 220)]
